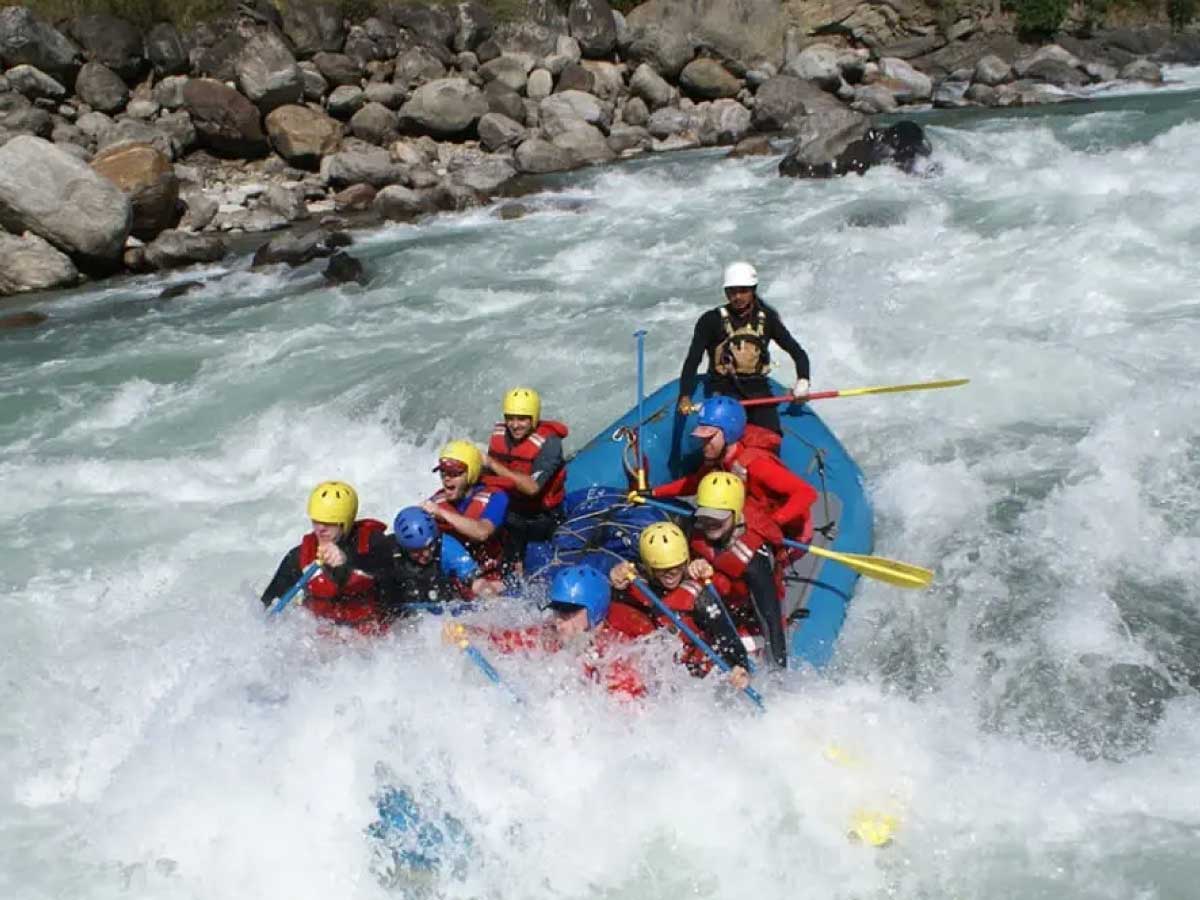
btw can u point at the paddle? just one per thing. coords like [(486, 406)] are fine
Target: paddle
[(641, 398), (891, 571), (696, 640), (481, 661), (857, 392), (281, 603)]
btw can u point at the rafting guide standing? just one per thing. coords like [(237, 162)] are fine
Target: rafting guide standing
[(736, 338)]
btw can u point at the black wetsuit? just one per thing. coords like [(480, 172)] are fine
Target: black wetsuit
[(415, 583), (709, 333)]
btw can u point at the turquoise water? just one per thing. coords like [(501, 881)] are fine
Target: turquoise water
[(1032, 719)]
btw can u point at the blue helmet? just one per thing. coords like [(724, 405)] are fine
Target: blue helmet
[(724, 413), (414, 529), (582, 586)]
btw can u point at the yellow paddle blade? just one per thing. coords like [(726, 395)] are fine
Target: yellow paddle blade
[(891, 571), (873, 828), (898, 388)]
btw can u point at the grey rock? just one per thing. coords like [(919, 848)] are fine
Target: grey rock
[(504, 100), (416, 65), (93, 124), (397, 203), (485, 176), (30, 263), (345, 101), (536, 32), (539, 85), (475, 25), (315, 85), (285, 201), (913, 86), (112, 41), (298, 249), (434, 24), (27, 120), (873, 99), (497, 131), (267, 72), (991, 70), (133, 131), (560, 112), (338, 69), (1055, 72), (46, 190), (33, 83), (819, 63), (1051, 52), (313, 27), (668, 121), (1142, 70), (142, 109), (725, 123), (24, 38), (982, 94), (343, 268), (200, 209), (608, 79), (168, 93), (101, 88), (178, 128), (707, 79), (635, 112), (1101, 72), (585, 143), (575, 77), (390, 95), (466, 61), (165, 50), (373, 167), (175, 248), (592, 25), (784, 100), (445, 108), (303, 136), (511, 70), (626, 140), (375, 124), (651, 87), (665, 50), (537, 157), (822, 136)]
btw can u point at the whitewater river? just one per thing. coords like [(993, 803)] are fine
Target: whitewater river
[(1033, 720)]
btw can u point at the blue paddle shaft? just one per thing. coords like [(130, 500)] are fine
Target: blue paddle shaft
[(677, 508), (796, 544), (282, 603), (694, 638), (641, 398), (488, 669)]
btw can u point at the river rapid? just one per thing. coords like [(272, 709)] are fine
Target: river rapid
[(1032, 720)]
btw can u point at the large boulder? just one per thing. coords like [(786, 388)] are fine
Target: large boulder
[(991, 70), (374, 167), (445, 108), (785, 99), (668, 121), (101, 88), (226, 122), (375, 124), (560, 112), (822, 137), (165, 50), (48, 191), (313, 27), (819, 63), (538, 157), (593, 26), (343, 102), (725, 122), (126, 131), (435, 25), (504, 100), (707, 79), (416, 65), (24, 38), (1055, 72), (148, 179), (911, 86), (29, 263), (585, 143), (497, 131), (338, 69), (267, 72), (397, 203), (651, 87), (172, 249), (112, 41), (510, 69), (33, 83), (661, 47), (749, 31), (475, 25), (303, 136)]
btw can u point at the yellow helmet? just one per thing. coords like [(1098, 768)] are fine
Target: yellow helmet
[(523, 401), (663, 546), (721, 490), (334, 503), (466, 453)]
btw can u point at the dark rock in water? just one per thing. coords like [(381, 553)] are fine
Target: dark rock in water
[(178, 290), (296, 250), (343, 268), (179, 248), (22, 320), (900, 145), (510, 211)]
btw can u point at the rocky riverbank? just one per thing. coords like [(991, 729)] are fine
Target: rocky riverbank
[(125, 148)]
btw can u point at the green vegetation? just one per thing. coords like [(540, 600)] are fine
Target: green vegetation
[(1040, 18), (1181, 13)]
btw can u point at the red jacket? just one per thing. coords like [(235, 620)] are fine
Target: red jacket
[(520, 457), (354, 603), (729, 561), (787, 497), (634, 615), (601, 664)]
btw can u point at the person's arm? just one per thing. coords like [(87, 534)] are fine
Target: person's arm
[(548, 461), (714, 627), (702, 336), (781, 336), (782, 481), (680, 487), (478, 530), (456, 562), (285, 576)]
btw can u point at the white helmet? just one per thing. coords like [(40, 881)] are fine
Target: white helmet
[(741, 274)]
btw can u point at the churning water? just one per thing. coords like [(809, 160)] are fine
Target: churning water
[(1033, 719)]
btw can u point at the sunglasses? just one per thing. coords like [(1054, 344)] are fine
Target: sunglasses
[(704, 523), (451, 467)]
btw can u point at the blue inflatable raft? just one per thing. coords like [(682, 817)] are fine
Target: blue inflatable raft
[(818, 591)]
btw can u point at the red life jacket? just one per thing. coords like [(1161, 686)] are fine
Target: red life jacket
[(759, 444), (731, 560), (355, 603), (520, 456), (488, 554)]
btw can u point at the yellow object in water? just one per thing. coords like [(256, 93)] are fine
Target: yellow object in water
[(873, 828)]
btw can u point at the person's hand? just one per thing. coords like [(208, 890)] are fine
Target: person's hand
[(800, 389), (331, 555), (453, 633), (739, 678), (638, 495), (622, 575), (494, 465), (685, 406), (486, 587), (700, 569), (432, 508)]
